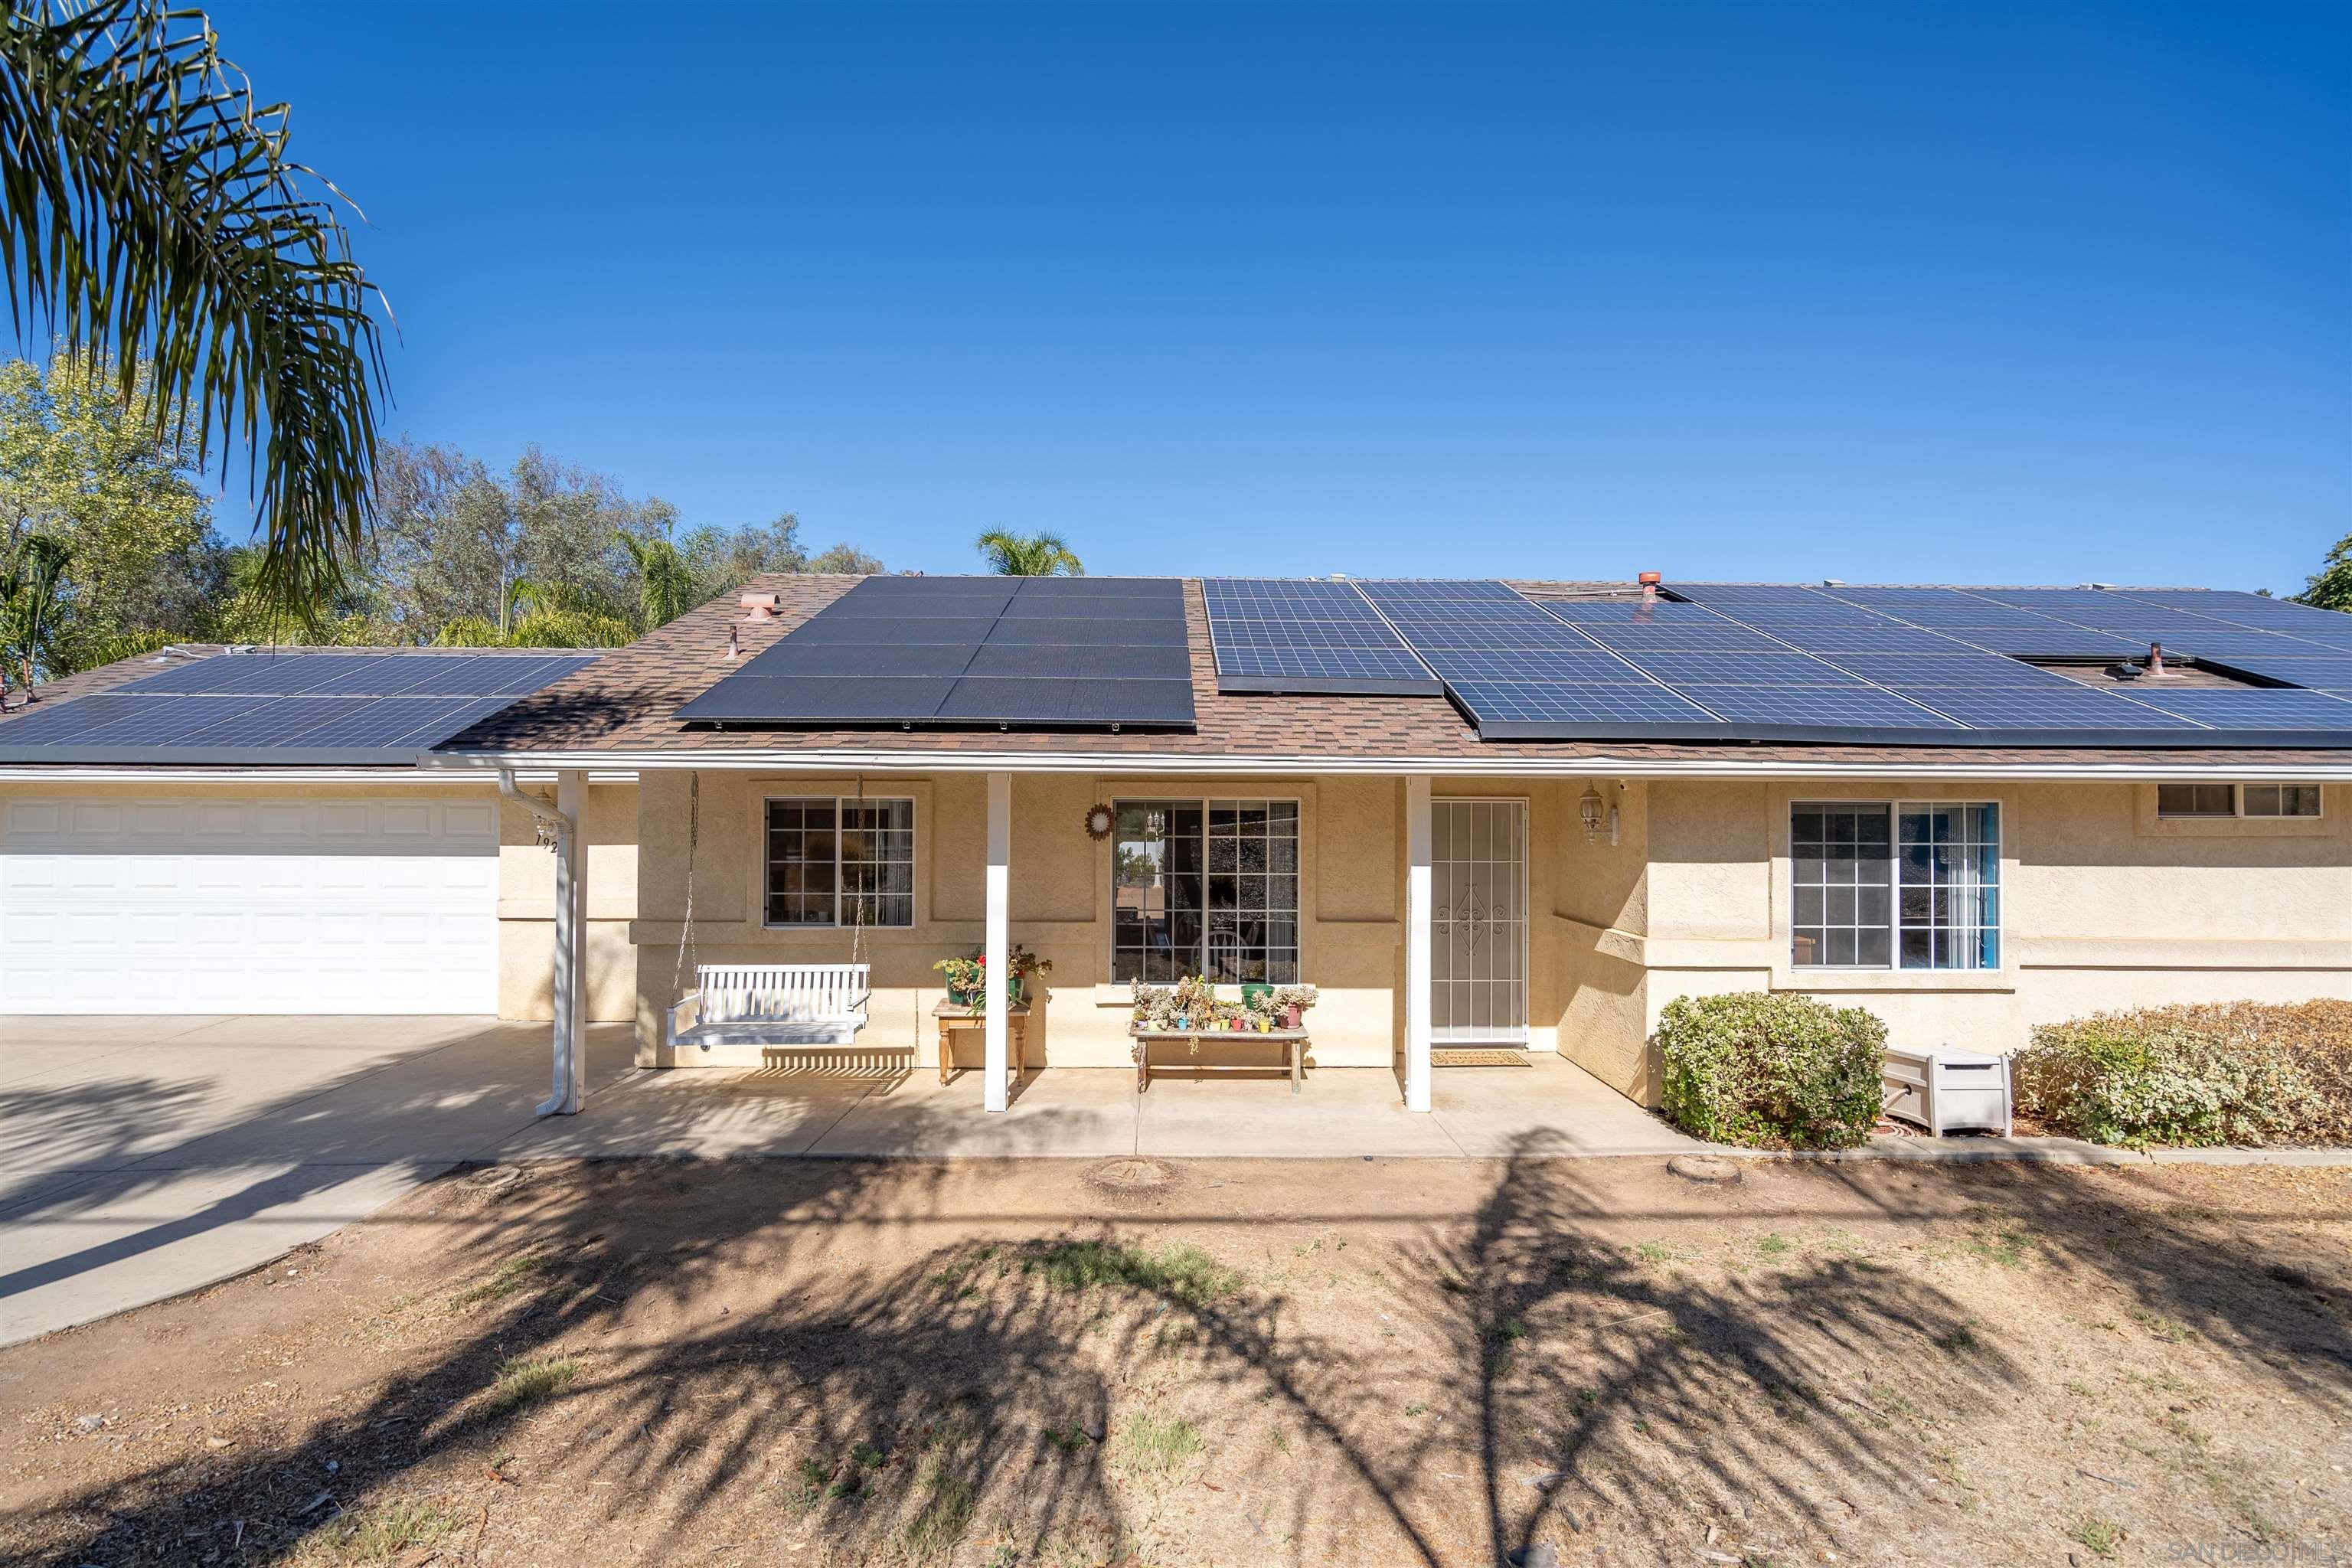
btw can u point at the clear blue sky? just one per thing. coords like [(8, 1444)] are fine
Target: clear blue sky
[(1879, 292)]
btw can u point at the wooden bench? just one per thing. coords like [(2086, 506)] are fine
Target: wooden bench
[(1293, 1041), (772, 1004)]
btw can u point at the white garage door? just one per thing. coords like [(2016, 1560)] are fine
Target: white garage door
[(265, 904)]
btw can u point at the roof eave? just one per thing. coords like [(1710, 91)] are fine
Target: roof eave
[(835, 760)]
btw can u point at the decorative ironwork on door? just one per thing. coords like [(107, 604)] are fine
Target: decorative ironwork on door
[(1478, 936)]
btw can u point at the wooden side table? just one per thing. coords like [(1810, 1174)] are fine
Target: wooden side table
[(954, 1015), (1292, 1041)]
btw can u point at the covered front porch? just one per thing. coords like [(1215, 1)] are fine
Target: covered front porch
[(1423, 913)]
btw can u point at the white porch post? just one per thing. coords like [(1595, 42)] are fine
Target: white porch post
[(570, 946), (995, 1093), (1416, 943)]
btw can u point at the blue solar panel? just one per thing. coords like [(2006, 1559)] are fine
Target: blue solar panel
[(1726, 636), (279, 674), (2323, 673), (1306, 635), (121, 720), (2081, 708), (280, 719), (2234, 645), (1887, 637), (285, 707), (2273, 710), (1681, 669), (1818, 708), (1952, 672)]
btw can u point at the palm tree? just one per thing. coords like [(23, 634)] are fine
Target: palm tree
[(664, 585), (28, 607), (148, 206), (1010, 554)]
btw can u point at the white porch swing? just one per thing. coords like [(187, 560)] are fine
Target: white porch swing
[(802, 1006)]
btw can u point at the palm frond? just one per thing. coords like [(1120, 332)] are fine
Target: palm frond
[(1011, 554), (148, 205), (664, 581)]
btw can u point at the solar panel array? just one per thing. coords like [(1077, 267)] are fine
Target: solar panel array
[(1074, 652), (285, 706), (1868, 665), (1312, 636)]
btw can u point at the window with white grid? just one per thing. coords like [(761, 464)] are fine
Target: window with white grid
[(834, 861), (1887, 886)]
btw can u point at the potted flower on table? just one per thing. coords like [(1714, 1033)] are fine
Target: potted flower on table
[(967, 977)]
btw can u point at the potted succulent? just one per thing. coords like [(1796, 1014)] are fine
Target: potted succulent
[(1289, 1004)]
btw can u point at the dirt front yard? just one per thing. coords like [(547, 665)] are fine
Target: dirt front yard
[(1279, 1362)]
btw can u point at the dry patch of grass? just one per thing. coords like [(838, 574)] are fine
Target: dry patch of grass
[(524, 1380)]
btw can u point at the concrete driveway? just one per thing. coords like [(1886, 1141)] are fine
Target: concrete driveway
[(142, 1157)]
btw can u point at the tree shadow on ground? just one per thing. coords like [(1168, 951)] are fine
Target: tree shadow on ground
[(2180, 1268), (880, 1362)]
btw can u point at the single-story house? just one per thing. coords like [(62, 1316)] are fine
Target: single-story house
[(1518, 816)]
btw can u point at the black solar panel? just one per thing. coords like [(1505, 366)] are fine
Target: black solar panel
[(285, 707), (1508, 710), (1063, 662), (1097, 652)]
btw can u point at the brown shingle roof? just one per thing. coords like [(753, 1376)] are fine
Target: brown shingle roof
[(622, 706)]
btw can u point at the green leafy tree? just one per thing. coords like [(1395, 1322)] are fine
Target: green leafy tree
[(1010, 554), (848, 560), (545, 615), (82, 465), (149, 207), (2330, 588), (454, 540)]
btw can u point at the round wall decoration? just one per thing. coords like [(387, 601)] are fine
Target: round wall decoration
[(1100, 821)]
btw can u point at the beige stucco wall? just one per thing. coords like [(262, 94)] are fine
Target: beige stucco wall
[(2105, 906), (1351, 852), (527, 908), (526, 872)]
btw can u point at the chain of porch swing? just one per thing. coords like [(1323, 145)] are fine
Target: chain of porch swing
[(694, 837)]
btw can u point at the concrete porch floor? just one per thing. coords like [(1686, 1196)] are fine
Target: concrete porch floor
[(1552, 1106)]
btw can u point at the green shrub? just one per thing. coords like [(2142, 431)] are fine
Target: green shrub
[(1772, 1072), (2243, 1073)]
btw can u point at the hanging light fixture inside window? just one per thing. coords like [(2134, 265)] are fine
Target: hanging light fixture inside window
[(1597, 817)]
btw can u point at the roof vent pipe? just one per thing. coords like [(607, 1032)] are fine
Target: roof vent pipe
[(759, 607), (1649, 581), (2156, 660)]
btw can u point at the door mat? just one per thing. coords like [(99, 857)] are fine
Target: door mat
[(1440, 1057)]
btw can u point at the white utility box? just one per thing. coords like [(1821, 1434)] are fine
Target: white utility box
[(1948, 1090)]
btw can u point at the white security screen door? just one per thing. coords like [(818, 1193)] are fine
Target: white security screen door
[(1478, 915)]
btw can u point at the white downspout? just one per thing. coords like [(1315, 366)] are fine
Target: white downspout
[(563, 1098)]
